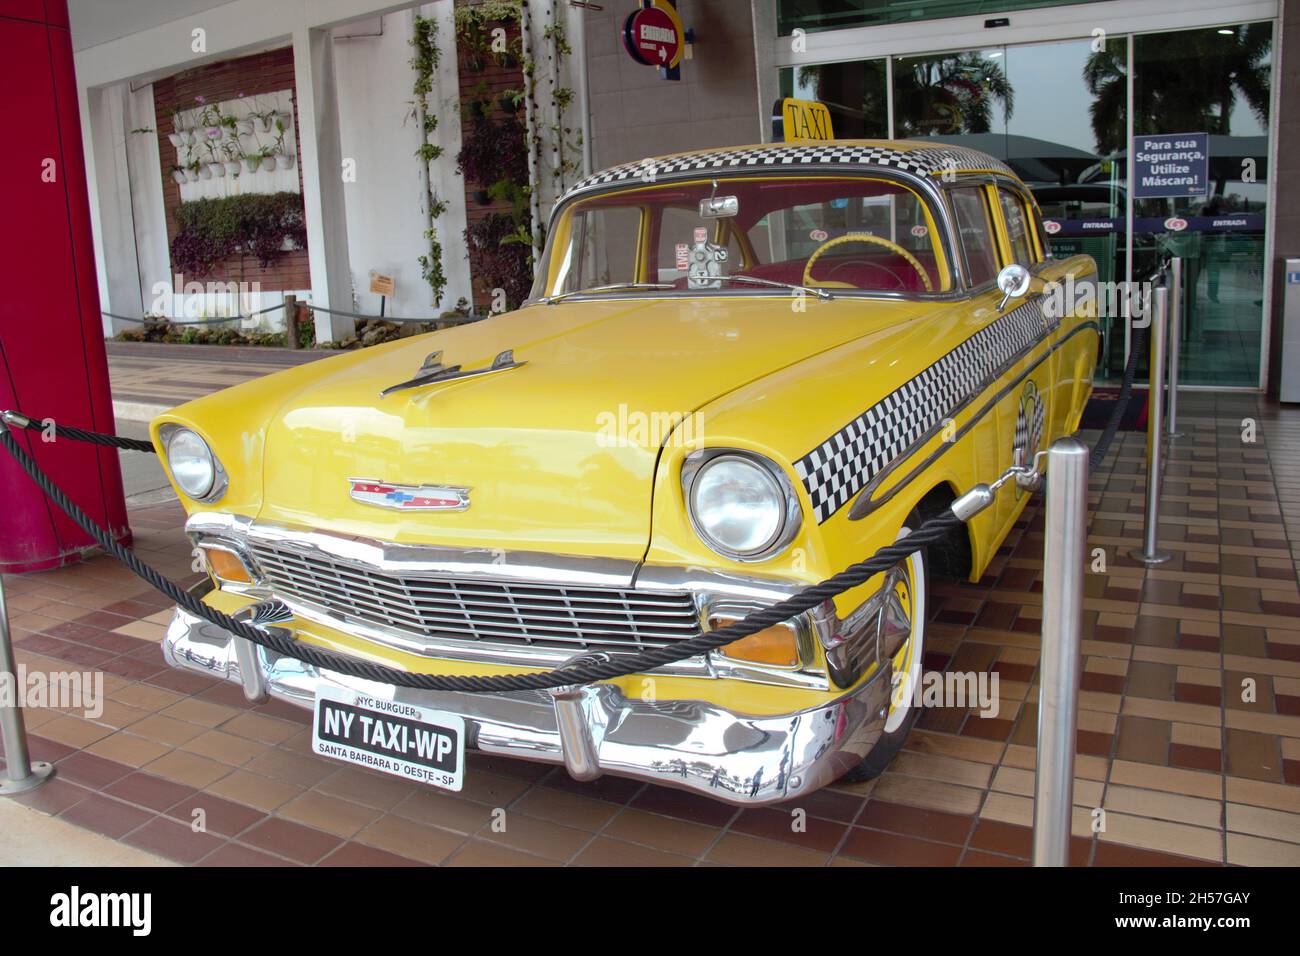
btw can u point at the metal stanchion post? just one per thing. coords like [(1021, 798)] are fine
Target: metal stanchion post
[(1176, 303), (21, 774), (1150, 553), (1058, 695), (291, 321)]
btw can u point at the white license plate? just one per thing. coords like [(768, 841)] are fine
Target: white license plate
[(407, 741)]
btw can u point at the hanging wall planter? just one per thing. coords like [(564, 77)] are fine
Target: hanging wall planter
[(217, 169), (233, 167), (244, 127), (253, 162), (178, 175), (205, 172), (177, 139), (284, 161), (268, 163)]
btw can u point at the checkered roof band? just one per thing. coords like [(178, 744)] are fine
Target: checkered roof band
[(842, 465), (923, 161)]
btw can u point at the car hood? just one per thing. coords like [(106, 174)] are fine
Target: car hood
[(559, 453)]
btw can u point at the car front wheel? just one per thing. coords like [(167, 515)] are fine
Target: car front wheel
[(912, 587)]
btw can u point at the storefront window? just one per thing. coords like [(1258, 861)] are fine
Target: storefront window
[(1057, 112), (855, 93), (811, 15)]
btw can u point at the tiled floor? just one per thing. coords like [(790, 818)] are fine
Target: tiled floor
[(1189, 732)]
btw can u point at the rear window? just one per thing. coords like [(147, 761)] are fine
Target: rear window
[(1017, 223), (976, 230)]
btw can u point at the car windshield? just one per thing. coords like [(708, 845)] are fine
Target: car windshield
[(842, 235)]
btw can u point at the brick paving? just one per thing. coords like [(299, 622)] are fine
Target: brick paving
[(1189, 730)]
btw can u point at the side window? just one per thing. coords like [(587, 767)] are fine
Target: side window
[(1017, 222), (976, 230)]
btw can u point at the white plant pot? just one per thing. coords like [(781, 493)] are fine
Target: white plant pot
[(265, 123), (268, 163), (177, 139), (284, 162), (187, 136), (191, 175), (205, 172), (217, 169), (252, 163), (178, 175), (244, 127), (233, 167)]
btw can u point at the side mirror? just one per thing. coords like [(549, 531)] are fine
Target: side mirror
[(1013, 282)]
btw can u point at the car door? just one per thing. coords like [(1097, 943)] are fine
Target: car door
[(1025, 384)]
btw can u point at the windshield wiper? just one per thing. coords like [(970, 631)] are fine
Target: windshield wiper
[(616, 287), (740, 277)]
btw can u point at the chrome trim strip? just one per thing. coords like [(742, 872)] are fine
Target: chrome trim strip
[(427, 559)]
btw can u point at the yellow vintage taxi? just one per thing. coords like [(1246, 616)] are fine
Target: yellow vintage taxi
[(739, 371)]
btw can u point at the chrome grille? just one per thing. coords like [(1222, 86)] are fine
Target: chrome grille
[(540, 615)]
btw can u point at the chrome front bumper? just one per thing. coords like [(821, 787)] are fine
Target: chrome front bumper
[(688, 744)]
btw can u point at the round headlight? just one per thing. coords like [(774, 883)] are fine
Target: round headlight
[(192, 463), (738, 506)]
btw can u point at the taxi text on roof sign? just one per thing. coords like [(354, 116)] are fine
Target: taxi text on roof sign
[(805, 119)]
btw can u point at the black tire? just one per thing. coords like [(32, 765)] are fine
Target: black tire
[(879, 757)]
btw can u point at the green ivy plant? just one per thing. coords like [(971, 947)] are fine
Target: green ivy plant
[(424, 62)]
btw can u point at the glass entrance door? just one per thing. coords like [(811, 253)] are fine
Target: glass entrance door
[(1214, 81), (1058, 113)]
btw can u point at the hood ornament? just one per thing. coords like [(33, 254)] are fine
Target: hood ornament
[(432, 370), (385, 494)]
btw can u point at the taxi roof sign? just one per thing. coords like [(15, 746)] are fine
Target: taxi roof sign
[(803, 120)]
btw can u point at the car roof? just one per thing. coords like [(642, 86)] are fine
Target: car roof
[(915, 157)]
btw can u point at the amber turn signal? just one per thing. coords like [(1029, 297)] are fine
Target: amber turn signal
[(226, 566), (776, 646)]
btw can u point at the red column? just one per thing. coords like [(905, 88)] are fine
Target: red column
[(52, 361)]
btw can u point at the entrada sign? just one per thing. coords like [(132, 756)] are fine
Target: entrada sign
[(805, 119), (653, 36)]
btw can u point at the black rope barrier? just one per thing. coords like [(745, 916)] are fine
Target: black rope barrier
[(19, 420), (583, 671), (1136, 347)]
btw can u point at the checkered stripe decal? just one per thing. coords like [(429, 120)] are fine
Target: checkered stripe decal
[(1020, 441), (1036, 429), (838, 468), (925, 161)]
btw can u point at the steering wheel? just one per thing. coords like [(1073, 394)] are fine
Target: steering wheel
[(866, 264), (829, 244)]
